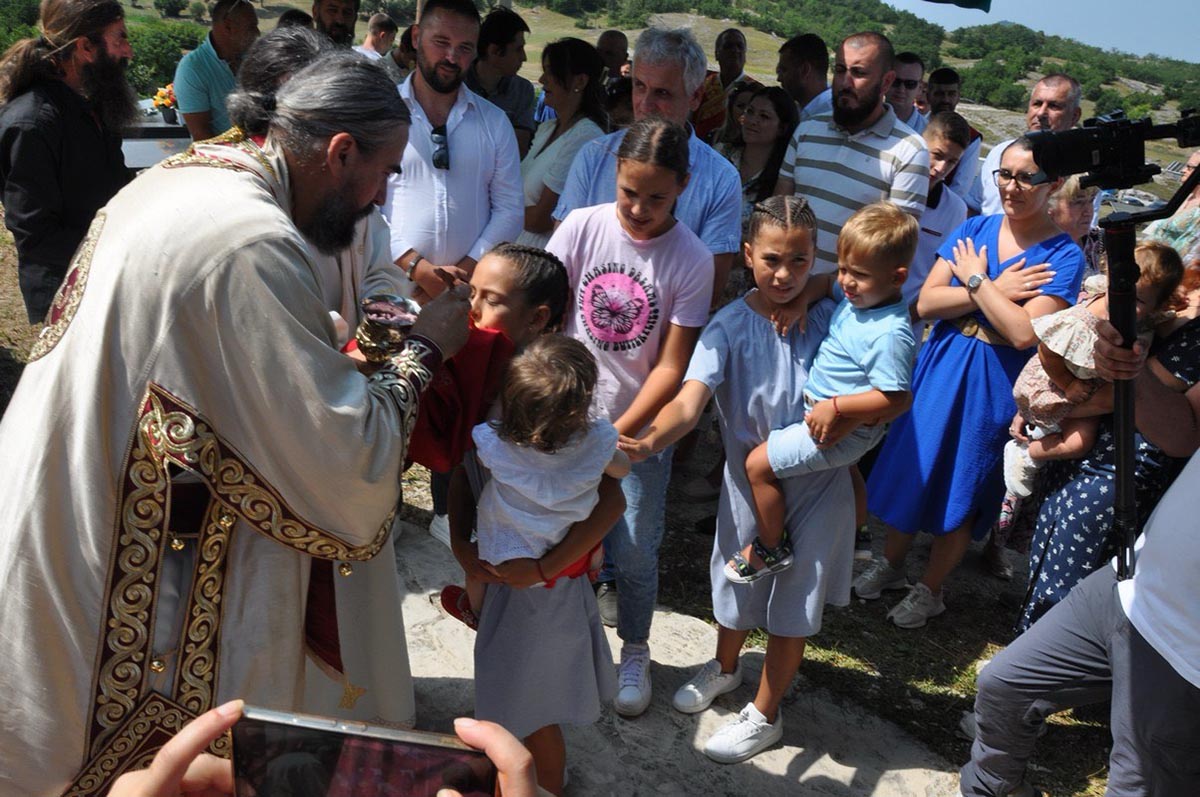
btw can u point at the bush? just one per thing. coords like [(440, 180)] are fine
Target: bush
[(197, 10), (170, 8), (157, 48)]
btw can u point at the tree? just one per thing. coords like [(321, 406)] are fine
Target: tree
[(18, 19), (1108, 101)]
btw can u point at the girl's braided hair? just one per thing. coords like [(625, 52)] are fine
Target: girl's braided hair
[(782, 211)]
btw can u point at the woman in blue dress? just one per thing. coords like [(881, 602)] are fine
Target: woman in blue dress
[(939, 468)]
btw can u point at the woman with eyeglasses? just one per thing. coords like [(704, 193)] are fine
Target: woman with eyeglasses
[(572, 88), (939, 469), (1182, 230)]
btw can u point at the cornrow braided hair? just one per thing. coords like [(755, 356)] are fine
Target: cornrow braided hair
[(782, 211)]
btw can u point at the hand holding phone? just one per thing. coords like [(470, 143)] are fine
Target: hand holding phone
[(279, 753)]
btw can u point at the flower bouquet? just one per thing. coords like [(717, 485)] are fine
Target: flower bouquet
[(164, 101)]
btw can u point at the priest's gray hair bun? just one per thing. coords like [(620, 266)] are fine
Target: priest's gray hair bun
[(341, 92), (266, 66)]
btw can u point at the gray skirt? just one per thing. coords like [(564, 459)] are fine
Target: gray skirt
[(541, 657)]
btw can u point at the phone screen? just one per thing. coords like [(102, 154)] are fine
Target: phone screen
[(273, 759)]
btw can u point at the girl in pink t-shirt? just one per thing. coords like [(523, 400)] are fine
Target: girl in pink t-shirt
[(642, 284)]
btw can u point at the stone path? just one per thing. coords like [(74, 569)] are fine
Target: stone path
[(829, 749)]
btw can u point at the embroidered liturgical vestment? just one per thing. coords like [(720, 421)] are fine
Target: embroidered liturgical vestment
[(190, 351)]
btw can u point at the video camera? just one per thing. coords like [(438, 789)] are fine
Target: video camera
[(1111, 149)]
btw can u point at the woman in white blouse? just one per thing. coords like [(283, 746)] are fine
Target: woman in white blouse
[(573, 89)]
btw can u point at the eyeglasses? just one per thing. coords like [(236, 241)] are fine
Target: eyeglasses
[(441, 147), (1024, 180), (911, 85)]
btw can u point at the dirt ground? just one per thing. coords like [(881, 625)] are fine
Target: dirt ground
[(921, 680)]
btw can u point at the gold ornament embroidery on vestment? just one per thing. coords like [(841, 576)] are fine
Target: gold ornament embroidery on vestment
[(70, 293), (169, 432)]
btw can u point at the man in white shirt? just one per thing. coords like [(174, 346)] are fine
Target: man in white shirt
[(910, 69), (803, 71), (1134, 642), (459, 190), (1053, 105), (381, 35)]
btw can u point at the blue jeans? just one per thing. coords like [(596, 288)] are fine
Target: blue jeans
[(632, 545)]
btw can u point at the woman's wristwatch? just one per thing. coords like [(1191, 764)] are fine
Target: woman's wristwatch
[(973, 282)]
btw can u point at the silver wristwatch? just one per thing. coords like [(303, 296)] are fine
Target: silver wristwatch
[(974, 281)]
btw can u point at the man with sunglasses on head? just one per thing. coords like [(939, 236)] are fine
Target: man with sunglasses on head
[(909, 69), (459, 190), (1053, 105)]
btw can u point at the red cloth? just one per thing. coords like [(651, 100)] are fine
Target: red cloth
[(580, 567), (458, 399), (320, 615)]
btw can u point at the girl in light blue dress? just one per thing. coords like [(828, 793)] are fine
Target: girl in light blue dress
[(756, 378)]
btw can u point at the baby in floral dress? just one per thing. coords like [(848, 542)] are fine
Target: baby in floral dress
[(1054, 387)]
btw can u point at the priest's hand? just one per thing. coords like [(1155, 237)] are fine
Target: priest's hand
[(443, 319), (182, 767)]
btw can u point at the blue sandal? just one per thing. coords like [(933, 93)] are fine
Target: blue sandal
[(775, 560)]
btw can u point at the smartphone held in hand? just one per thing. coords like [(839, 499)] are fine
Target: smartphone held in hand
[(282, 754)]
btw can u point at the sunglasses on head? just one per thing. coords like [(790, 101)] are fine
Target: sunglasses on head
[(911, 85), (441, 147)]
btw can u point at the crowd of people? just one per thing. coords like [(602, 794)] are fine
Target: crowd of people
[(205, 448)]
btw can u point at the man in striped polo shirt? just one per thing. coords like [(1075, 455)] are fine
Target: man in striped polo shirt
[(860, 153)]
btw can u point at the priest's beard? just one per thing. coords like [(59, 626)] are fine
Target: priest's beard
[(110, 95), (331, 229)]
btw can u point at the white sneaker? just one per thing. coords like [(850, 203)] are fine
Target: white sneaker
[(439, 529), (1019, 469), (705, 686), (917, 607), (879, 576), (744, 737), (633, 680)]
